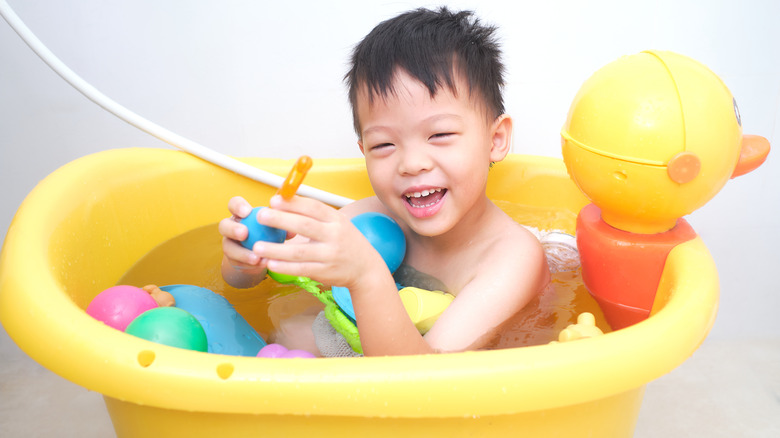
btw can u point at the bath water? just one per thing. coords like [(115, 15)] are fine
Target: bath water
[(195, 257)]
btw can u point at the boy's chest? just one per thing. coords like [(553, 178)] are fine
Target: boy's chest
[(447, 272)]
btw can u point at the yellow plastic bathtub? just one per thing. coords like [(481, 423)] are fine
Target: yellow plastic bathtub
[(87, 223)]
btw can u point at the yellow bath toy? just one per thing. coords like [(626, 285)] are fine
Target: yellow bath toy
[(424, 306), (649, 138), (584, 328), (652, 137)]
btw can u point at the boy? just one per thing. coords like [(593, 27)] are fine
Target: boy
[(425, 90)]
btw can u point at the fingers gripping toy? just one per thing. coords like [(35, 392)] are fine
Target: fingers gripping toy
[(388, 239), (649, 138), (258, 232)]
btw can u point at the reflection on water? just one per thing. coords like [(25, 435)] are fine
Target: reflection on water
[(194, 258)]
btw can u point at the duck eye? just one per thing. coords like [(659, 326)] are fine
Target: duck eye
[(736, 111)]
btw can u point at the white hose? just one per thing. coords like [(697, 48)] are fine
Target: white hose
[(151, 128)]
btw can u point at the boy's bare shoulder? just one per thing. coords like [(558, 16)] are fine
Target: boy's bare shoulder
[(514, 246), (511, 233)]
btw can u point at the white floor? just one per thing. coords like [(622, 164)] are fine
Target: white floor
[(727, 389)]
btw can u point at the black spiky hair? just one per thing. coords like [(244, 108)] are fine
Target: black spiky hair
[(430, 46)]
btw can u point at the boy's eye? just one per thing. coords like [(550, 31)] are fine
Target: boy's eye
[(441, 135), (382, 147)]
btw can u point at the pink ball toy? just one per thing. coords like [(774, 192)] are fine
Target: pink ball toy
[(271, 351), (118, 306), (298, 353), (280, 351)]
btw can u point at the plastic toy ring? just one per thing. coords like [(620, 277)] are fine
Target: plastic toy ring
[(295, 177)]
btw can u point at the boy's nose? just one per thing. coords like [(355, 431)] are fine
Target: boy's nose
[(414, 160)]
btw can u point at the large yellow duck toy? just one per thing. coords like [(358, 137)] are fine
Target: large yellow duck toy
[(649, 138)]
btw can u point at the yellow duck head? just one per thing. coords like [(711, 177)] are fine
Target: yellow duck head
[(652, 137)]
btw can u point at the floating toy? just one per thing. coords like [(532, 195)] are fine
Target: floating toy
[(424, 306), (258, 232), (117, 306), (169, 326), (226, 330), (584, 328), (280, 351), (385, 236), (649, 138)]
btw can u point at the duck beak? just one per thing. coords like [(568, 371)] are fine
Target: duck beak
[(753, 154)]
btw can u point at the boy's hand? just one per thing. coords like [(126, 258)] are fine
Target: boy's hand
[(335, 252), (247, 265)]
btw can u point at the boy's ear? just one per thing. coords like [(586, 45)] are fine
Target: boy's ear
[(501, 138), (360, 145)]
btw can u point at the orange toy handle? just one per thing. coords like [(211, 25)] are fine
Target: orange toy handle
[(295, 177)]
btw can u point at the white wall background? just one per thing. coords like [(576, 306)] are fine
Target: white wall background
[(253, 78)]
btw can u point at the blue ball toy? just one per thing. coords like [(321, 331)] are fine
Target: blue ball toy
[(385, 236), (259, 232)]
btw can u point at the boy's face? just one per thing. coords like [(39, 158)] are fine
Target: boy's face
[(428, 158)]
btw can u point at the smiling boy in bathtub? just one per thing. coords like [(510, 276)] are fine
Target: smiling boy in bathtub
[(425, 89)]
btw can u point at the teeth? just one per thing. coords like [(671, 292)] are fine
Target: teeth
[(423, 193)]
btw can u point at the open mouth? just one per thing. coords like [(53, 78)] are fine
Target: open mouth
[(425, 198)]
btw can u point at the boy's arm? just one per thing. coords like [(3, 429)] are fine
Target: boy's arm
[(512, 271), (508, 277), (384, 325)]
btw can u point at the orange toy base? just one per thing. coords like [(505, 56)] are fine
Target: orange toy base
[(621, 270)]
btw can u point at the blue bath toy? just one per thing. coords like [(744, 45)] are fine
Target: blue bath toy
[(385, 236), (227, 331), (288, 188), (258, 232)]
